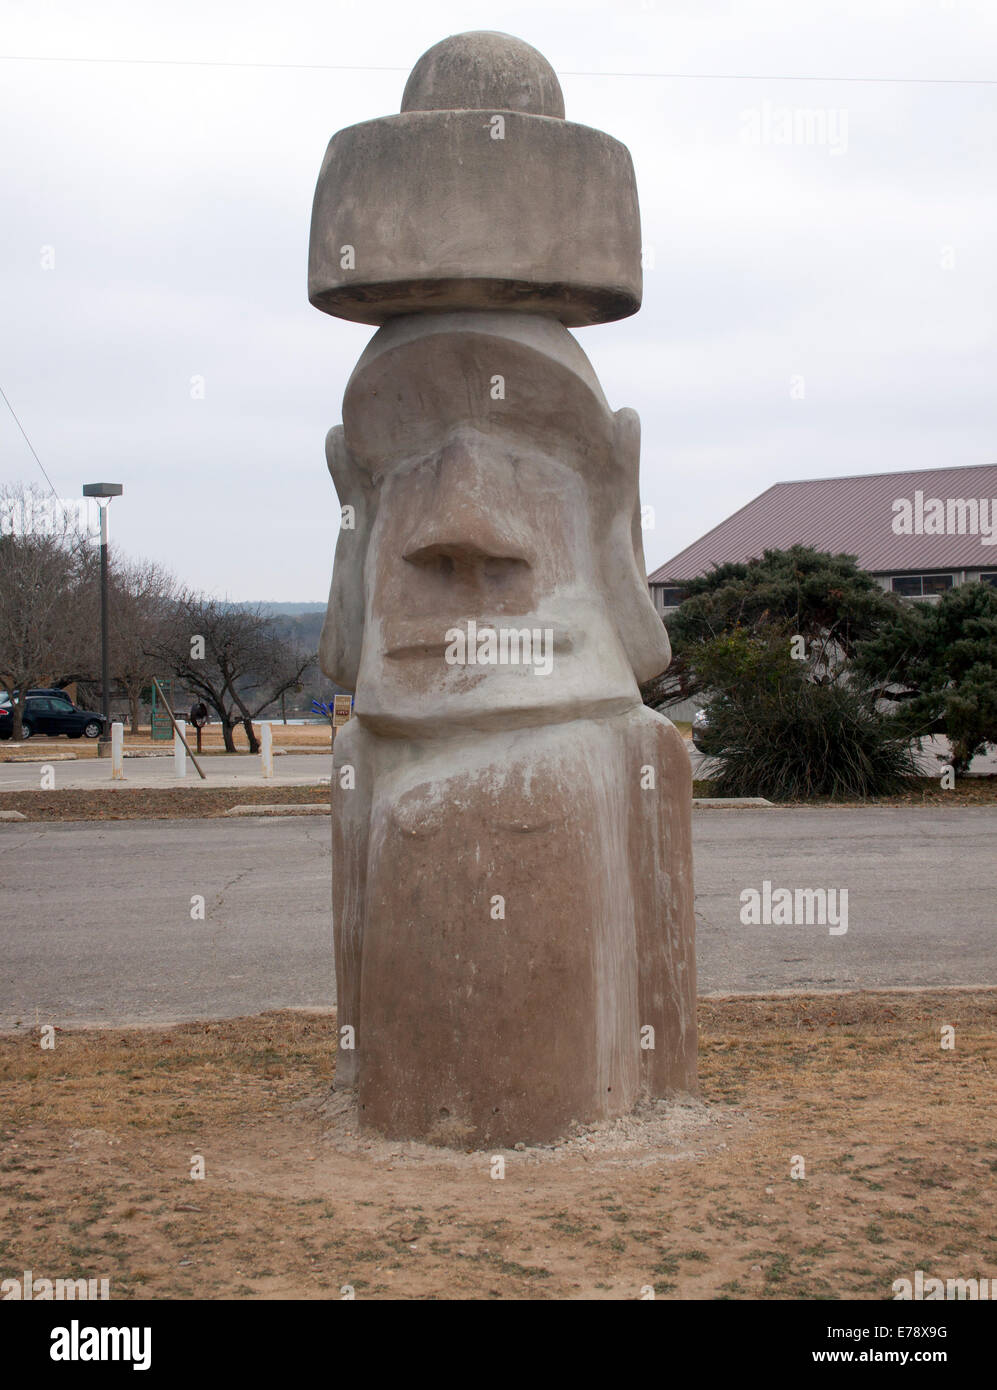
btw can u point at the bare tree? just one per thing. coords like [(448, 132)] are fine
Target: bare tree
[(142, 598), (233, 658), (42, 553)]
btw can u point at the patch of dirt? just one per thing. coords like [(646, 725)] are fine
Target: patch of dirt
[(151, 803), (655, 1131), (897, 1139), (191, 803)]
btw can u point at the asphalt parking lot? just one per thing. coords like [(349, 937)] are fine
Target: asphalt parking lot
[(96, 923)]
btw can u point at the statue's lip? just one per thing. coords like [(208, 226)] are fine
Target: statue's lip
[(417, 649), (559, 640)]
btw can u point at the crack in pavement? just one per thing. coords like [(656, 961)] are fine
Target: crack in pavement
[(224, 889)]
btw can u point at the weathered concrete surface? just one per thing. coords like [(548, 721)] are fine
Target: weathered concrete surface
[(482, 204), (484, 71), (512, 875), (511, 912), (441, 216), (521, 511)]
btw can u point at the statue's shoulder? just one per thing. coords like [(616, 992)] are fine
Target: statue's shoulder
[(352, 740), (656, 734)]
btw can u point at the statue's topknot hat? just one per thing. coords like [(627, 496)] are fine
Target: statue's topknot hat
[(479, 195)]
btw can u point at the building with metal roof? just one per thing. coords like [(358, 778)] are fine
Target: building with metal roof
[(919, 532)]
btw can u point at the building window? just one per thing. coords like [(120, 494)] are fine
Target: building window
[(671, 597), (908, 585), (990, 579), (920, 585)]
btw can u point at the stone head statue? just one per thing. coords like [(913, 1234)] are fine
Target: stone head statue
[(509, 821), (485, 476)]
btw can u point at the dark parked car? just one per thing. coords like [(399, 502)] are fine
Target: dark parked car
[(53, 690), (50, 712)]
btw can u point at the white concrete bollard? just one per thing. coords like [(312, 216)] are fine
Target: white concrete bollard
[(117, 752), (179, 751), (266, 750)]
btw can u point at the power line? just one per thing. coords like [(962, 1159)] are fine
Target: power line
[(790, 77), (28, 442), (199, 63), (363, 67)]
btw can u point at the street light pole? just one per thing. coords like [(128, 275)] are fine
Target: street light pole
[(105, 658), (103, 492)]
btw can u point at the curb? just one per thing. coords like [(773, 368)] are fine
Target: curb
[(38, 758), (731, 801)]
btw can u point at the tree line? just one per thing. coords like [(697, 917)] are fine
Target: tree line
[(236, 659)]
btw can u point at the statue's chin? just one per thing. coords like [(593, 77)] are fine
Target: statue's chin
[(409, 684), (486, 711)]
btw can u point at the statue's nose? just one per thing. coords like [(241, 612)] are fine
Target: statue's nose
[(463, 534)]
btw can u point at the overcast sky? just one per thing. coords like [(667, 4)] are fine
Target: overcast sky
[(175, 198)]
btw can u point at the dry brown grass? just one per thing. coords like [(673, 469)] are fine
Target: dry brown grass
[(196, 801), (923, 791), (152, 803), (898, 1137)]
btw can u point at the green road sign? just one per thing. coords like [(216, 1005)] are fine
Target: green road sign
[(162, 728)]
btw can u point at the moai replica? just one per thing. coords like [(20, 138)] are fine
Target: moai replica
[(512, 867)]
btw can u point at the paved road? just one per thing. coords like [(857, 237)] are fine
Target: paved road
[(922, 897), (95, 921)]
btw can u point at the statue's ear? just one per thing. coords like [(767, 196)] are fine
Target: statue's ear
[(640, 628), (342, 632)]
